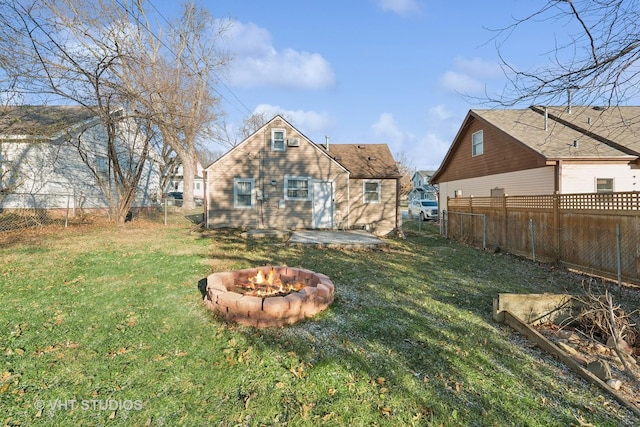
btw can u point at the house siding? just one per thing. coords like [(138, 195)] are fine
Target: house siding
[(501, 153), (581, 178), (522, 183), (380, 217), (255, 159), (57, 171)]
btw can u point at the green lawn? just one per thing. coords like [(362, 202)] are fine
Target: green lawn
[(106, 326)]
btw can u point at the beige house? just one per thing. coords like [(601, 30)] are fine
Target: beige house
[(279, 179)]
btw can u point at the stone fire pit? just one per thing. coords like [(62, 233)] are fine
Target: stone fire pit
[(229, 295)]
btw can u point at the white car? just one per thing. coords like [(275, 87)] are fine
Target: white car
[(423, 209)]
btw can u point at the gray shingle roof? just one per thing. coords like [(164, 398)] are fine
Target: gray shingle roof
[(566, 135), (40, 122)]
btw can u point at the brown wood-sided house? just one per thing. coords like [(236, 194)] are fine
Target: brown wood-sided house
[(279, 179), (542, 150)]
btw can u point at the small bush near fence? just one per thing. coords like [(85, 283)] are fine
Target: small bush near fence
[(596, 233)]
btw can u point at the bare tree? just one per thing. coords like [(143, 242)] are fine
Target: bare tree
[(228, 137), (595, 62), (208, 156), (62, 51), (406, 169), (107, 57), (179, 83)]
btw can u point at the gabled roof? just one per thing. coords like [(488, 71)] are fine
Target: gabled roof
[(618, 127), (266, 125), (423, 174), (42, 122), (586, 133), (365, 161), (557, 142)]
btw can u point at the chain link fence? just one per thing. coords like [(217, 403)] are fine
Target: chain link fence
[(598, 244), (22, 211)]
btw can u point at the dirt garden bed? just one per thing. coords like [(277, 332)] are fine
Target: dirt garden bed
[(579, 331)]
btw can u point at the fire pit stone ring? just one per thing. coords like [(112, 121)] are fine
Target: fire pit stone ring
[(226, 294)]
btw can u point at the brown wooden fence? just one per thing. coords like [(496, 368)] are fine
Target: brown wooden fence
[(597, 233)]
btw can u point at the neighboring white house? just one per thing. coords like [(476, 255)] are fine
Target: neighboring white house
[(176, 181), (54, 156), (542, 150), (421, 188)]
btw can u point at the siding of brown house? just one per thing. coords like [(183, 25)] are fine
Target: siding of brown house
[(501, 153)]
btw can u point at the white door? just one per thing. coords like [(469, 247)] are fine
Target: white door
[(322, 204)]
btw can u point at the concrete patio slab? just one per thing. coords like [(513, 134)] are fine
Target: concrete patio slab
[(354, 239)]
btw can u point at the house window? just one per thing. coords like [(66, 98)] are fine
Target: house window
[(477, 142), (604, 185), (277, 139), (296, 188), (243, 193), (196, 185), (102, 166), (371, 191)]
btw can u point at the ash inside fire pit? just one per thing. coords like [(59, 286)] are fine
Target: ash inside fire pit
[(268, 296)]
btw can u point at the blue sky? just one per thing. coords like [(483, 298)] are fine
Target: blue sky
[(372, 71)]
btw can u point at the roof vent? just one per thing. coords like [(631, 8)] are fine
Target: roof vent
[(371, 158), (361, 146), (575, 143)]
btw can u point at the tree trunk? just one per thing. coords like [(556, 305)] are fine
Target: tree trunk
[(188, 172)]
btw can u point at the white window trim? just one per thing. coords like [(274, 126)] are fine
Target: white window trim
[(481, 145), (613, 185), (235, 193), (364, 192), (273, 139), (298, 178)]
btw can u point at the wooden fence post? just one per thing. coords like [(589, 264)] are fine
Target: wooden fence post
[(504, 221), (556, 225)]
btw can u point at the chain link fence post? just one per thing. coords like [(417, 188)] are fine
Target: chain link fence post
[(532, 236), (619, 253), (443, 224)]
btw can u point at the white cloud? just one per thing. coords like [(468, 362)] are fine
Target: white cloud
[(442, 126), (306, 122), (387, 128), (478, 67), (470, 76), (400, 7), (427, 150), (401, 144), (256, 62), (461, 83), (439, 113)]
